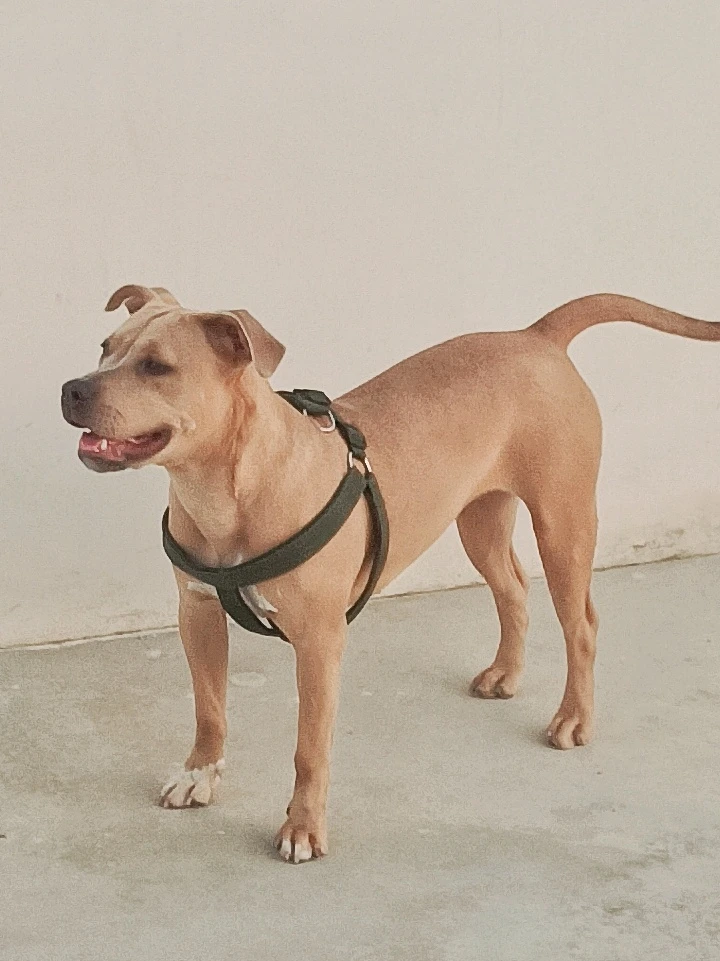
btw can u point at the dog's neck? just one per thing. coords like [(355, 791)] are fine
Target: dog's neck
[(248, 490)]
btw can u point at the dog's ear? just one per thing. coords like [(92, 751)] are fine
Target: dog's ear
[(240, 339), (134, 297)]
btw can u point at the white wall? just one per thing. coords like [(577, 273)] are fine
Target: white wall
[(367, 178)]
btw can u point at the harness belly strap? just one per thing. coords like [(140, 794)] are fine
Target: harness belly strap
[(309, 540)]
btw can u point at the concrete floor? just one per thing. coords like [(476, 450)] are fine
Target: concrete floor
[(456, 833)]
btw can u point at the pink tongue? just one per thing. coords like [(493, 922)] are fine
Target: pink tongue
[(106, 447)]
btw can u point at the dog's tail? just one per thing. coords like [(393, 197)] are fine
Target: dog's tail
[(566, 322)]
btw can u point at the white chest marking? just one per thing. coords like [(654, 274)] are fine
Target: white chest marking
[(258, 604), (201, 588)]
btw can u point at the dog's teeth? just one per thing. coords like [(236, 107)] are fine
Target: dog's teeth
[(104, 444)]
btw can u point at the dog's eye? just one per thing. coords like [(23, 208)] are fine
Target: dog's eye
[(153, 368)]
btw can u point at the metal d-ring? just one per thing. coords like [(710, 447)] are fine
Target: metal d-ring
[(331, 426), (363, 460)]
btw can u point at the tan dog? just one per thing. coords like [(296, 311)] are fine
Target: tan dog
[(457, 432)]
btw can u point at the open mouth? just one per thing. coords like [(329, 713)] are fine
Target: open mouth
[(116, 453)]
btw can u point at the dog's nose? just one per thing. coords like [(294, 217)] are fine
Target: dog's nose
[(76, 398)]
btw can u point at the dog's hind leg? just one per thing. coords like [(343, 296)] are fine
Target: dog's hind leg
[(486, 528), (566, 530)]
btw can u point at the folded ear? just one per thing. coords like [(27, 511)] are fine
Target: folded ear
[(237, 337), (134, 297)]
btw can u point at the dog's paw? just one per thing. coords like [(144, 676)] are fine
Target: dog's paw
[(496, 682), (191, 789), (297, 844), (571, 727)]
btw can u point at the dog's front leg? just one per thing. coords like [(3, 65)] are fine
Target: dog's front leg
[(204, 633), (318, 660)]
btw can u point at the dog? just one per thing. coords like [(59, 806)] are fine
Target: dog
[(459, 432)]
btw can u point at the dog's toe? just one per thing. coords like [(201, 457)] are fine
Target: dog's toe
[(192, 788), (496, 682)]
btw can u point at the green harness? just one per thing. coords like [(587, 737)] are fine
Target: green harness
[(307, 542)]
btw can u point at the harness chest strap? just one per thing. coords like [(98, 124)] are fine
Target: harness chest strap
[(306, 542)]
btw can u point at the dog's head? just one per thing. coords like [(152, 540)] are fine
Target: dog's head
[(168, 383)]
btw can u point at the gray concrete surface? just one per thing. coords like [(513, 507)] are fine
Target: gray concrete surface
[(456, 833)]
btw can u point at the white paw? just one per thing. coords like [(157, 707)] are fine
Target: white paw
[(192, 788)]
